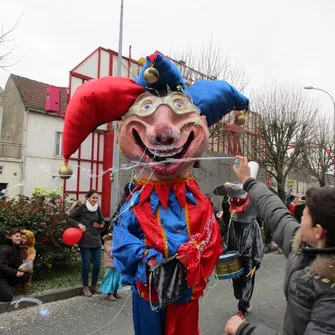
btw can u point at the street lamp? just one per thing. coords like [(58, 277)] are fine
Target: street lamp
[(320, 89)]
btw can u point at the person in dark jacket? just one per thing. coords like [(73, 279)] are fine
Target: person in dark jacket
[(89, 219), (244, 235), (10, 261), (310, 248)]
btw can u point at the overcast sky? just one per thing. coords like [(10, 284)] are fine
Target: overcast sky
[(286, 41)]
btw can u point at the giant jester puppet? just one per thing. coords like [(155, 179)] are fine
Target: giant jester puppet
[(166, 238)]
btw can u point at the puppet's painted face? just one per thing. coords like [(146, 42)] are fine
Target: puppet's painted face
[(157, 129)]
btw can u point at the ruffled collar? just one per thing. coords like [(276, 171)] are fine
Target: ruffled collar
[(162, 188)]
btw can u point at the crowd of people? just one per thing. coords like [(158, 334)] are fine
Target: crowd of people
[(303, 229)]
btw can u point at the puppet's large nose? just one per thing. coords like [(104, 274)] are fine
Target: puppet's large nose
[(163, 134), (165, 131)]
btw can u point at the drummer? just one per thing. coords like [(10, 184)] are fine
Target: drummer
[(244, 235)]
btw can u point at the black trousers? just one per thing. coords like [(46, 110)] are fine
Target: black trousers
[(243, 289), (6, 284)]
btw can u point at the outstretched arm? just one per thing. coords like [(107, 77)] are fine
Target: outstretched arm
[(270, 208)]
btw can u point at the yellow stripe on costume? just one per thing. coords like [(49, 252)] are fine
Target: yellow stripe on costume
[(166, 248), (187, 220)]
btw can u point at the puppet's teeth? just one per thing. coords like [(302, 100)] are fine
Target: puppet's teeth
[(165, 153)]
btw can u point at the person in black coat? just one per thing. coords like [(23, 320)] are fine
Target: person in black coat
[(10, 261), (89, 219)]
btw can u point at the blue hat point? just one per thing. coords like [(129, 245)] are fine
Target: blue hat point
[(216, 98)]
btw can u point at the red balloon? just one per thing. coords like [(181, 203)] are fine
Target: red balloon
[(72, 236)]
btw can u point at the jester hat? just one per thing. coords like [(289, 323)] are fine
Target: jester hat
[(107, 99)]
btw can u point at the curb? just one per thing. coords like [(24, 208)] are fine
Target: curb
[(45, 296)]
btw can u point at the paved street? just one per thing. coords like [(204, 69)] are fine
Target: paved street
[(96, 315)]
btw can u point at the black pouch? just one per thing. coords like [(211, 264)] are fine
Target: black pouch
[(169, 279)]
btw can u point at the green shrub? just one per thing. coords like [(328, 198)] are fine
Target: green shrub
[(44, 215)]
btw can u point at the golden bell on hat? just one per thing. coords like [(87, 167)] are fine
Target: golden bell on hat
[(239, 118), (65, 172), (151, 75)]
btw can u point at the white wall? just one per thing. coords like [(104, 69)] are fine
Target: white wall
[(11, 175), (90, 66), (41, 164), (104, 63), (74, 84)]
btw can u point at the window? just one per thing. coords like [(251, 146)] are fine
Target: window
[(1, 169), (58, 146)]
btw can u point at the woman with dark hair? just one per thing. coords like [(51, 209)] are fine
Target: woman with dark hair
[(89, 219), (310, 249), (10, 261)]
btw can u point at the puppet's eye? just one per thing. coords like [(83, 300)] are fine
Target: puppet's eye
[(146, 105), (179, 103)]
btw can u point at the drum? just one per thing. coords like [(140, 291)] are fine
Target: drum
[(229, 266)]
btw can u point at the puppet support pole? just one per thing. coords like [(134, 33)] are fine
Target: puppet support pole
[(116, 153)]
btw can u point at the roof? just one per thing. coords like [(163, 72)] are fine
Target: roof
[(33, 93)]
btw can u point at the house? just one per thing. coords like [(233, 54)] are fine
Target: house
[(31, 124), (30, 138)]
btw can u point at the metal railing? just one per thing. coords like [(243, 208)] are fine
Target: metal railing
[(10, 150)]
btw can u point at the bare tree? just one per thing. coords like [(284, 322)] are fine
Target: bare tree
[(6, 43), (318, 157), (285, 127), (209, 62)]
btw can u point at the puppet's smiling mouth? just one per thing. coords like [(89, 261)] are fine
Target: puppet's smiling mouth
[(159, 155)]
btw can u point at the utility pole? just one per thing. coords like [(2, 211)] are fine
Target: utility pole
[(116, 155)]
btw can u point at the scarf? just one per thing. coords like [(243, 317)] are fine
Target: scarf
[(90, 207)]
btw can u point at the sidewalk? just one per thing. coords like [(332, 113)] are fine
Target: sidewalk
[(97, 315), (61, 294)]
